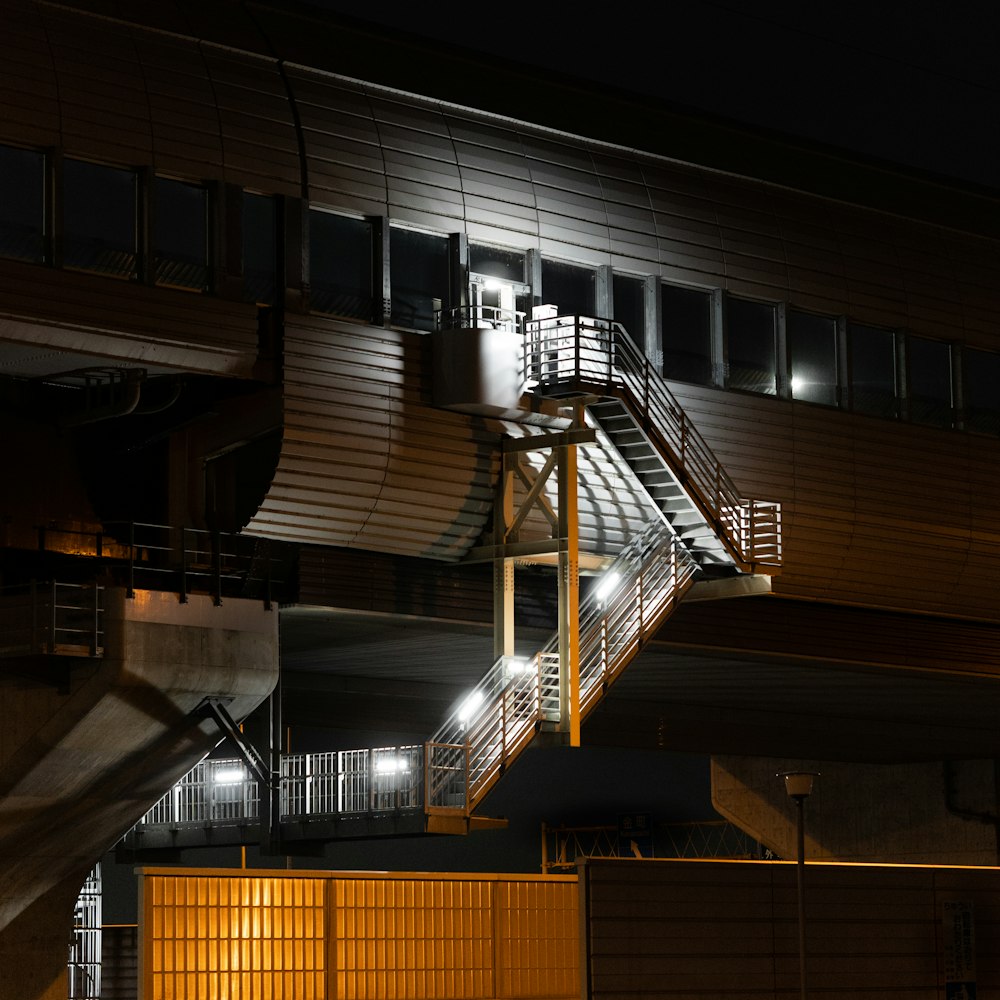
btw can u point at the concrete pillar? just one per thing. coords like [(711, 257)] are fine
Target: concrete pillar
[(939, 812), (93, 743)]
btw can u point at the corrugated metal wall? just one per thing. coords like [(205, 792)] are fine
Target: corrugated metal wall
[(319, 935), (684, 929), (875, 512)]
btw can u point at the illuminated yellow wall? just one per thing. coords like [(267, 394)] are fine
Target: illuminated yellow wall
[(214, 935)]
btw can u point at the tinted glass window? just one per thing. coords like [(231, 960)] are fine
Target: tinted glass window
[(180, 234), (568, 287), (750, 342), (496, 262), (981, 389), (812, 355), (630, 306), (99, 218), (418, 265), (929, 369), (340, 265), (259, 248), (22, 181), (687, 334), (873, 371)]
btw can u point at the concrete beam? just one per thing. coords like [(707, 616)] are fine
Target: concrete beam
[(83, 763)]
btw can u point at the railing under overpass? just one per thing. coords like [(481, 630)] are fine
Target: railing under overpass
[(66, 617)]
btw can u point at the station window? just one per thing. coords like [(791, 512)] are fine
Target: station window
[(180, 234), (812, 357), (568, 287), (929, 381), (629, 296), (22, 210), (872, 354), (340, 265), (981, 390), (99, 218), (751, 349), (687, 334), (497, 262), (420, 277), (260, 254)]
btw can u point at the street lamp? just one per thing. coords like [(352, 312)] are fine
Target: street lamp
[(799, 786)]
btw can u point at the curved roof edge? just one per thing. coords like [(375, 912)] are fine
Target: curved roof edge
[(298, 33)]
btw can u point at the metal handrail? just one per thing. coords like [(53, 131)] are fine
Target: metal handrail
[(186, 560), (52, 616), (313, 785), (480, 317), (578, 352), (499, 717)]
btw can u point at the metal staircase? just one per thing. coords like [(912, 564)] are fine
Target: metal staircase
[(706, 529), (576, 356), (517, 698)]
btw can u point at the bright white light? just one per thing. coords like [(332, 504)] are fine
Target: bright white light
[(230, 776), (797, 384), (515, 666), (607, 586), (391, 765), (469, 706), (492, 285)]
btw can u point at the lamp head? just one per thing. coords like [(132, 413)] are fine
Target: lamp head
[(798, 784)]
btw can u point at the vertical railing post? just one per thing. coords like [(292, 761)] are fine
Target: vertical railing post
[(184, 581), (217, 567), (52, 620), (468, 775), (371, 781), (33, 639), (97, 619), (130, 591)]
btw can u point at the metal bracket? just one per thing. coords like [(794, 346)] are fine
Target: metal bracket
[(216, 709)]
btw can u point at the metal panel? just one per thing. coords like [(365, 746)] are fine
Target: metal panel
[(29, 100), (314, 935)]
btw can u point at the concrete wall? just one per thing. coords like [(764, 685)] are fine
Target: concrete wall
[(92, 743), (924, 813), (683, 929)]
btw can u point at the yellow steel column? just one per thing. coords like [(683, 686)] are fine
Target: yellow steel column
[(569, 596)]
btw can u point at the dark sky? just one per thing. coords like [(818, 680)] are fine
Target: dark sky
[(912, 83)]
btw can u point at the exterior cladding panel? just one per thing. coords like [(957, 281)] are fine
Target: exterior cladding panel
[(367, 462), (728, 930), (874, 512)]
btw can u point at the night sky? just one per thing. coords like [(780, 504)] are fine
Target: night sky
[(911, 83)]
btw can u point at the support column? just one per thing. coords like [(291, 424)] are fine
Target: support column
[(569, 596), (503, 568)]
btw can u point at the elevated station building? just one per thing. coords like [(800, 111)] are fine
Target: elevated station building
[(316, 341)]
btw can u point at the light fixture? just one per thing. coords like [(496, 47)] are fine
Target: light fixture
[(606, 587), (229, 776), (799, 784), (514, 666), (391, 765), (468, 707)]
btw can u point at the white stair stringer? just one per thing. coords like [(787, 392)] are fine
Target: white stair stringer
[(502, 714)]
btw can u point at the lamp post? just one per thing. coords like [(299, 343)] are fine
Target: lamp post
[(799, 786)]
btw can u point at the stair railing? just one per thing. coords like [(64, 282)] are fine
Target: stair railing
[(568, 354), (501, 715)]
